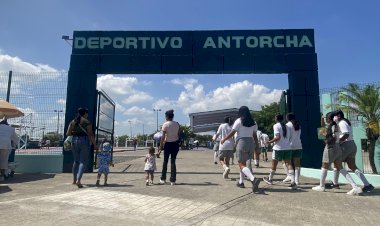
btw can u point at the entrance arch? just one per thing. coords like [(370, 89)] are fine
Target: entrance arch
[(290, 51)]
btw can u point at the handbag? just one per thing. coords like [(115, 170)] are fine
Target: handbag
[(67, 144)]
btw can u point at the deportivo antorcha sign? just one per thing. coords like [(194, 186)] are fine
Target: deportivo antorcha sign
[(192, 42)]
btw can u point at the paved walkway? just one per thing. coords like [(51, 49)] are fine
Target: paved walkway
[(201, 197)]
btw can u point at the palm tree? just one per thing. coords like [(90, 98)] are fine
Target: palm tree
[(364, 102)]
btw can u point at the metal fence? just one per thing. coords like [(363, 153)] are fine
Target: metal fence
[(42, 98)]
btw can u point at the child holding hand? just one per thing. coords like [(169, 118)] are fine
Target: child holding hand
[(150, 166)]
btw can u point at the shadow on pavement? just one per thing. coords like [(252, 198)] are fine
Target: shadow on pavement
[(109, 185), (5, 189), (28, 177), (198, 184)]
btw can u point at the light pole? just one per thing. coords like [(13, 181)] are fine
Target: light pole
[(157, 110), (130, 125), (58, 121)]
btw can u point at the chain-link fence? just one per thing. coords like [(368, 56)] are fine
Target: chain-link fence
[(41, 96)]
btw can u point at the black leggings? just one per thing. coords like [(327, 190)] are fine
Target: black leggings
[(170, 149)]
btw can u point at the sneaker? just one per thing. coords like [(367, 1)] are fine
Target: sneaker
[(318, 188), (162, 181), (355, 191), (226, 172), (331, 185), (105, 184), (368, 188), (240, 185), (147, 183), (266, 180), (287, 179), (293, 186), (97, 183), (150, 182), (172, 183), (255, 185), (215, 163), (257, 165)]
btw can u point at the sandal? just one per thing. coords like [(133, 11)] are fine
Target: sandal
[(79, 185)]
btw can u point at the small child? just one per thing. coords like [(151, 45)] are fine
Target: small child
[(104, 159), (150, 165)]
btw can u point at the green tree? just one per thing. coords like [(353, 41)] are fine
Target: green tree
[(122, 140), (265, 117), (364, 102)]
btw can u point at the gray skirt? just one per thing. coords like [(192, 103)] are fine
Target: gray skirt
[(244, 149), (348, 150), (332, 154)]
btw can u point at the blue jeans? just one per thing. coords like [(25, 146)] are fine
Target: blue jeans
[(170, 149), (81, 152)]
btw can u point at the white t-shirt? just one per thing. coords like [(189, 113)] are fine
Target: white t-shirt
[(344, 128), (264, 139), (295, 137), (259, 133), (223, 130), (243, 131), (284, 142), (7, 134), (171, 128)]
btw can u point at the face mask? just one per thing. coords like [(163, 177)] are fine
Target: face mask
[(336, 119)]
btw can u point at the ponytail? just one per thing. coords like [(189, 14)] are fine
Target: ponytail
[(280, 118)]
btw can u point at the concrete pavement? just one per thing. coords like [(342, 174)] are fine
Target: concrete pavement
[(200, 197)]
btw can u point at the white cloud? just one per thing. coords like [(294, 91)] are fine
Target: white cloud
[(136, 97), (138, 111), (62, 102), (195, 99), (116, 85), (9, 63)]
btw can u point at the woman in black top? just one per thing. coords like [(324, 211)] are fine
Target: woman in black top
[(81, 130)]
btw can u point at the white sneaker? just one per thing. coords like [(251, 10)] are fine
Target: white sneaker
[(287, 179), (162, 181), (172, 183), (226, 172), (319, 188), (355, 191), (147, 182)]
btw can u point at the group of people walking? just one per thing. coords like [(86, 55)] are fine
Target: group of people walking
[(340, 147), (82, 137), (240, 136)]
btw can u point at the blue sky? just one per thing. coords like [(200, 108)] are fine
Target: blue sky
[(347, 38)]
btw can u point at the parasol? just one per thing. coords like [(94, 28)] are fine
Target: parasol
[(8, 110)]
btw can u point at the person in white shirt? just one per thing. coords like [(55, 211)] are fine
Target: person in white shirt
[(246, 139), (348, 146), (169, 143), (295, 145), (281, 150), (216, 140), (264, 146), (257, 153), (7, 136), (332, 153), (226, 149)]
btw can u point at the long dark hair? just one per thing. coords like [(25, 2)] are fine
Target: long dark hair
[(341, 115), (292, 118), (81, 113), (228, 120), (280, 119), (246, 117), (330, 139)]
